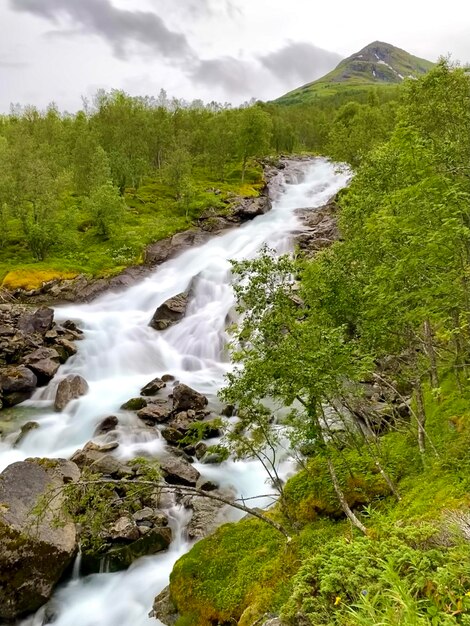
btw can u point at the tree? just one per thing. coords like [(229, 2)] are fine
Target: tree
[(106, 208), (254, 134), (291, 354)]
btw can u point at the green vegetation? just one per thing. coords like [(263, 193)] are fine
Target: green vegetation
[(379, 512)]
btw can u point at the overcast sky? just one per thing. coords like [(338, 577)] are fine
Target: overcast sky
[(224, 50)]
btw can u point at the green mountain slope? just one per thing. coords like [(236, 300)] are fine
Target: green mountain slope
[(377, 65)]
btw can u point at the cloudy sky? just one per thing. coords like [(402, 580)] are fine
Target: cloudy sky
[(224, 50)]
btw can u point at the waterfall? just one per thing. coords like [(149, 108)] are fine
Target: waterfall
[(120, 353)]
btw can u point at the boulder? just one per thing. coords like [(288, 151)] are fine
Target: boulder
[(65, 348), (107, 425), (185, 398), (155, 540), (252, 207), (70, 388), (153, 387), (44, 362), (164, 609), (206, 513), (200, 450), (124, 529), (179, 472), (35, 552), (155, 412), (170, 312), (134, 404), (38, 322), (25, 429), (98, 459), (18, 383), (172, 436)]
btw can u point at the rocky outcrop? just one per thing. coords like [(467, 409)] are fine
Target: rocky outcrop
[(320, 228), (206, 513), (164, 609), (70, 388), (153, 387), (32, 347), (35, 550), (170, 312)]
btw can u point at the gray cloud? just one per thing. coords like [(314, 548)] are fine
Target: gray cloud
[(119, 27), (235, 76), (300, 62)]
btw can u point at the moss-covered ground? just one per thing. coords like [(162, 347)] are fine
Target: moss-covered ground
[(151, 213), (412, 568)]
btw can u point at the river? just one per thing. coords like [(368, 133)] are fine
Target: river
[(120, 353)]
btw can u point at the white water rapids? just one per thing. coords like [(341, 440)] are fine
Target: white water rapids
[(120, 353)]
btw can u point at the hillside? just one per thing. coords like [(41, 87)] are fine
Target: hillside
[(377, 65)]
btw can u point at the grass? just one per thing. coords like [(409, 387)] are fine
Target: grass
[(413, 565), (152, 213)]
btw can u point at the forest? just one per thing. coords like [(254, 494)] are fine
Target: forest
[(84, 193)]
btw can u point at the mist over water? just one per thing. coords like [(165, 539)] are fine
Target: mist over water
[(120, 353)]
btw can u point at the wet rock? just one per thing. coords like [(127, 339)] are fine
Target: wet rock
[(213, 458), (70, 325), (206, 513), (229, 410), (185, 398), (172, 436), (134, 404), (34, 555), (39, 321), (70, 388), (164, 609), (25, 429), (207, 485), (252, 207), (170, 312), (44, 362), (153, 387), (201, 449), (156, 412), (98, 459), (107, 425), (168, 378), (179, 472), (65, 348), (125, 529), (17, 384)]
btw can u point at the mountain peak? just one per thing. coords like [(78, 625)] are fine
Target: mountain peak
[(376, 63)]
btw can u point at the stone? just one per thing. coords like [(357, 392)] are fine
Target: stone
[(168, 378), (44, 362), (107, 425), (70, 388), (34, 556), (17, 383), (155, 540), (124, 529), (153, 387), (206, 513), (38, 322), (99, 460), (25, 429), (249, 208), (170, 312), (207, 485), (65, 348), (134, 404), (164, 609), (213, 458), (201, 449), (172, 436), (185, 398), (179, 472), (155, 412)]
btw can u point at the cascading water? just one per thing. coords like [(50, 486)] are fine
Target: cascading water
[(120, 353)]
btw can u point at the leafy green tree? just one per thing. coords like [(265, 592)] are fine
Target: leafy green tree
[(254, 134), (106, 208)]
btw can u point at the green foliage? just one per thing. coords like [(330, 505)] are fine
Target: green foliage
[(106, 209)]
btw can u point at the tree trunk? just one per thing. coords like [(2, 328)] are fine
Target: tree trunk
[(420, 416), (431, 353), (342, 500)]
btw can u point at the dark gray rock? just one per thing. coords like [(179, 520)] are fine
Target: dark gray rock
[(35, 552), (17, 384), (107, 425), (179, 472), (153, 387), (44, 362), (156, 412), (170, 312), (185, 398), (39, 321), (134, 404), (70, 388)]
